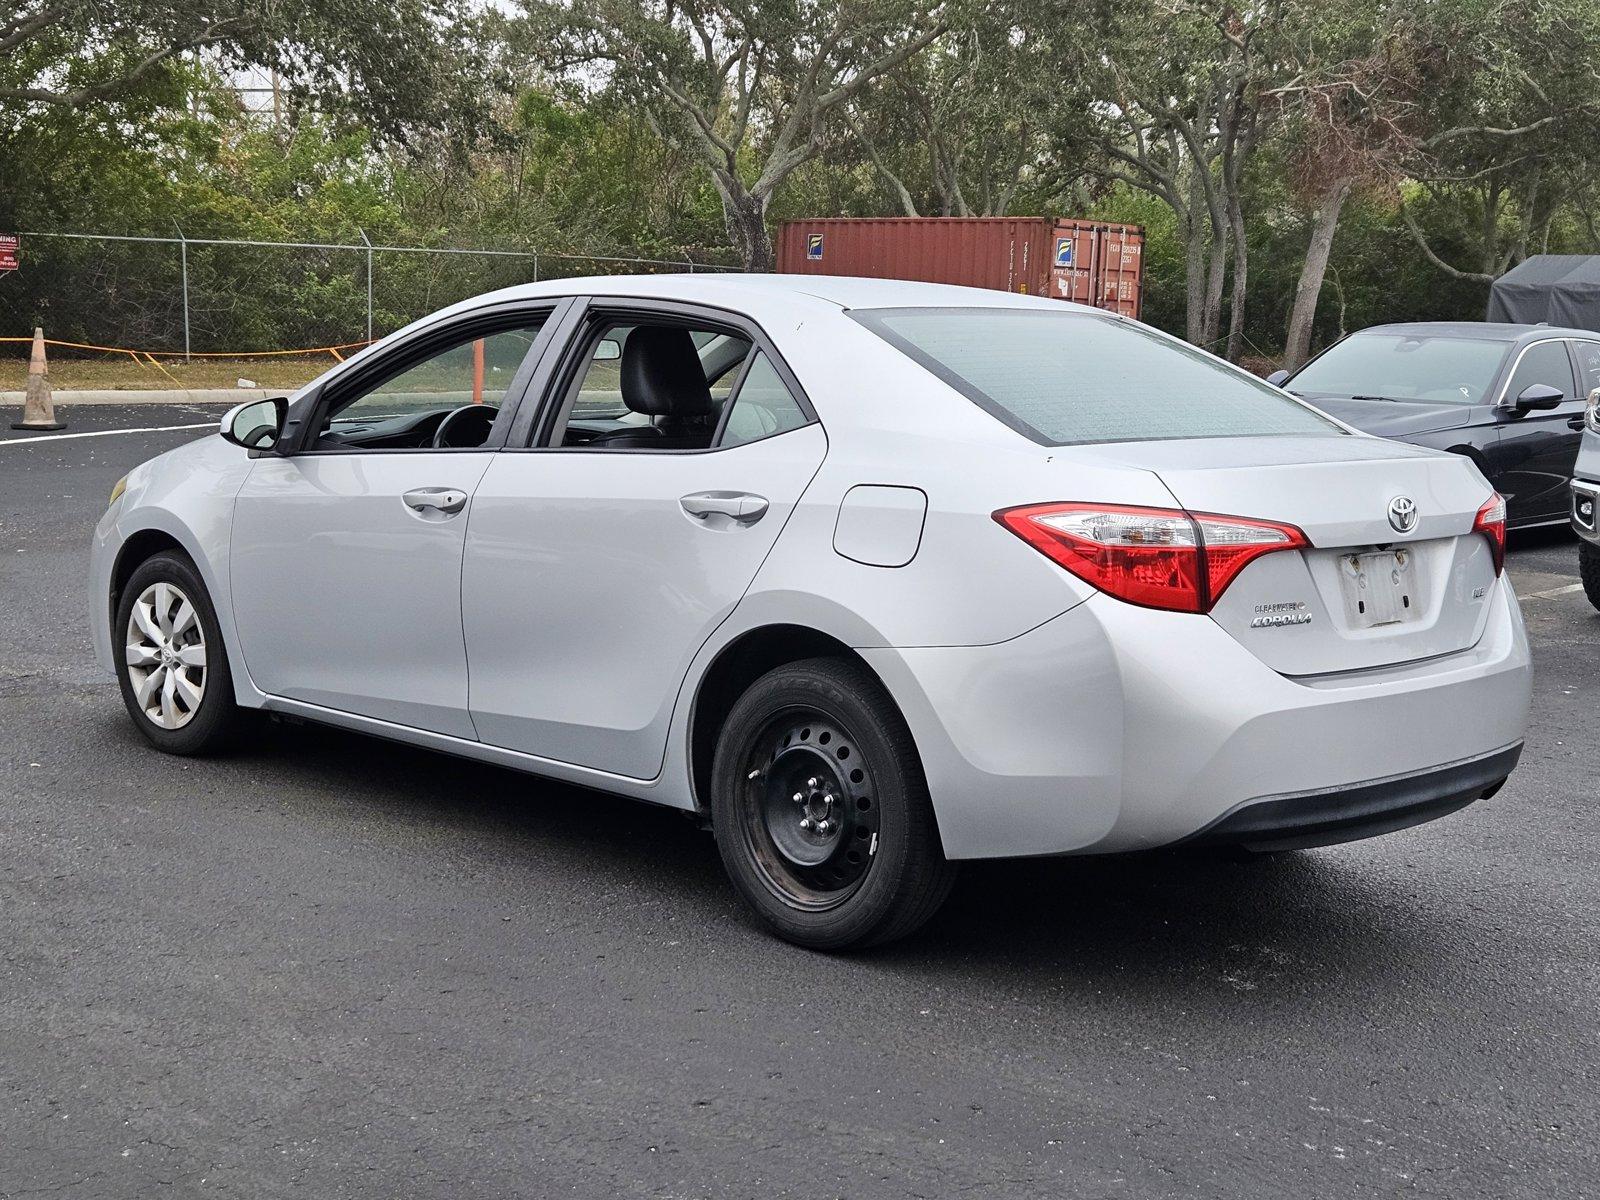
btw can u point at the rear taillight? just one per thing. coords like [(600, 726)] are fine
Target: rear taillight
[(1491, 522), (1156, 557)]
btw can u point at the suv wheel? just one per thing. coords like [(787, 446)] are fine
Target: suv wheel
[(1589, 571), (821, 811)]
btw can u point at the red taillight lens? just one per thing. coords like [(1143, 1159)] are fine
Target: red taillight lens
[(1156, 557), (1491, 522)]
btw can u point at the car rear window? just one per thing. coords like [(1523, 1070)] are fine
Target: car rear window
[(1070, 377)]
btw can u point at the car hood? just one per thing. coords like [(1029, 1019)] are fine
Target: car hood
[(1393, 418)]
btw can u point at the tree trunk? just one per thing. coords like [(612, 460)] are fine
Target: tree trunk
[(1194, 278), (745, 216), (1324, 224), (1241, 275)]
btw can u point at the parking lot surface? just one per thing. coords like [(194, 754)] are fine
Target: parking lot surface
[(330, 966)]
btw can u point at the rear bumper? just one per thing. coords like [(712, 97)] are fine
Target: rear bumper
[(1362, 810), (1115, 728)]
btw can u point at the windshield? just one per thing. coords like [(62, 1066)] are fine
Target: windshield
[(1448, 370), (1063, 378)]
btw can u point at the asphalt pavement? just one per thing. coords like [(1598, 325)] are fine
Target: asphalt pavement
[(333, 967)]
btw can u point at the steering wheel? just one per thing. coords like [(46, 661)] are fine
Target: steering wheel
[(465, 427)]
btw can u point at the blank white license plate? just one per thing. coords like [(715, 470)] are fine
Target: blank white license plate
[(1379, 588)]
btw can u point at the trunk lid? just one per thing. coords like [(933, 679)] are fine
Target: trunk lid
[(1364, 594)]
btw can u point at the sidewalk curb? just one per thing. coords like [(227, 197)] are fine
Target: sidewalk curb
[(152, 396)]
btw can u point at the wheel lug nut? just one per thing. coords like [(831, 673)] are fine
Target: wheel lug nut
[(812, 782), (799, 798), (824, 826), (805, 823)]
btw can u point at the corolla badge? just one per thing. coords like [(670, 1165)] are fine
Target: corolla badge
[(1403, 514)]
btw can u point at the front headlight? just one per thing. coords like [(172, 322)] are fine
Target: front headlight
[(117, 490), (1591, 414)]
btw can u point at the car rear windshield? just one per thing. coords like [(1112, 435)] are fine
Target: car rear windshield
[(1388, 366), (1067, 378)]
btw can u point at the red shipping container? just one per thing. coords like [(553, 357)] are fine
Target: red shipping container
[(1091, 262)]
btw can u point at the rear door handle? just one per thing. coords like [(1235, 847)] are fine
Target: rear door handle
[(741, 507), (445, 500)]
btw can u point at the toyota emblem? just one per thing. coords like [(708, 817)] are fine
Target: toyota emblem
[(1403, 514)]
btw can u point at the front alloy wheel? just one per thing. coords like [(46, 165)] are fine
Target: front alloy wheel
[(821, 811)]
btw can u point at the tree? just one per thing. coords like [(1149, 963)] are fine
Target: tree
[(753, 87), (1178, 88), (398, 62), (959, 129), (1512, 115), (1352, 112)]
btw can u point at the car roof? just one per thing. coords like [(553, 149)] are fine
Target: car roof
[(1483, 331), (730, 288)]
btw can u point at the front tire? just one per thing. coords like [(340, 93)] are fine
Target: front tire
[(170, 659), (1589, 571), (821, 810)]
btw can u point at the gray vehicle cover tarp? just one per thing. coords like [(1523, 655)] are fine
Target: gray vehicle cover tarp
[(1558, 289)]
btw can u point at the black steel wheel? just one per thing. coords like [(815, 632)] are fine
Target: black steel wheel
[(821, 811)]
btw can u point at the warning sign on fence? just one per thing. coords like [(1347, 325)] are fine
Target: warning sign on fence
[(10, 251)]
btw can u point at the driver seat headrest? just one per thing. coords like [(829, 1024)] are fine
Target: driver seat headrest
[(662, 375)]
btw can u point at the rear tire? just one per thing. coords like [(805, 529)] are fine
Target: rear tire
[(1589, 571), (171, 662), (821, 811)]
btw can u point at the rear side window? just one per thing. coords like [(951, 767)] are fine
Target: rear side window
[(1067, 378), (763, 407)]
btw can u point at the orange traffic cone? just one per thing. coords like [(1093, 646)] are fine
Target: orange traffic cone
[(39, 411)]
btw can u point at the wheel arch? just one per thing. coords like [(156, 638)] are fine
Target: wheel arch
[(739, 664), (140, 546)]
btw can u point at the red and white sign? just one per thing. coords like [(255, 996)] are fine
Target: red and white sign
[(10, 251)]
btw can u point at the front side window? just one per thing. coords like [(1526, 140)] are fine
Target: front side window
[(405, 409), (1068, 378), (1588, 365), (1388, 366), (1542, 363)]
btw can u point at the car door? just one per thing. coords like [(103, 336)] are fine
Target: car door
[(346, 552), (597, 566), (1537, 449)]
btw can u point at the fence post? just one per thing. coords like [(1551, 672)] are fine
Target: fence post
[(183, 252), (368, 244), (535, 266)]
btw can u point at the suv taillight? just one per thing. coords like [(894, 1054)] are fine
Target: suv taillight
[(1491, 522), (1156, 557)]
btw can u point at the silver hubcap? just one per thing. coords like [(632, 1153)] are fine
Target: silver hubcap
[(166, 656)]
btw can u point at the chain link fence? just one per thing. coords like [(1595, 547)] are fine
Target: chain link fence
[(179, 295)]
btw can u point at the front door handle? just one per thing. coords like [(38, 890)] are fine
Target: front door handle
[(445, 500), (1576, 422), (742, 508)]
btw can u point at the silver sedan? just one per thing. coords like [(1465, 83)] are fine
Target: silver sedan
[(874, 576)]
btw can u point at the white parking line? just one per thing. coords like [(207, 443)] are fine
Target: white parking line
[(1552, 593), (60, 437)]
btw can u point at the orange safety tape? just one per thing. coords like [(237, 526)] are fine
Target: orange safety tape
[(198, 353), (152, 360)]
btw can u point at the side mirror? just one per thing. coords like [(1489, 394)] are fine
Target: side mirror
[(608, 350), (1278, 378), (1538, 395), (256, 424)]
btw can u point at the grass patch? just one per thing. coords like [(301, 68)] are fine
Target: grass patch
[(85, 374)]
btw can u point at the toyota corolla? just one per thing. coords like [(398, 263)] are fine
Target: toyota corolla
[(872, 576)]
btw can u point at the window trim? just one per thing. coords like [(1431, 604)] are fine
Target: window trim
[(1503, 402), (417, 347), (589, 312)]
